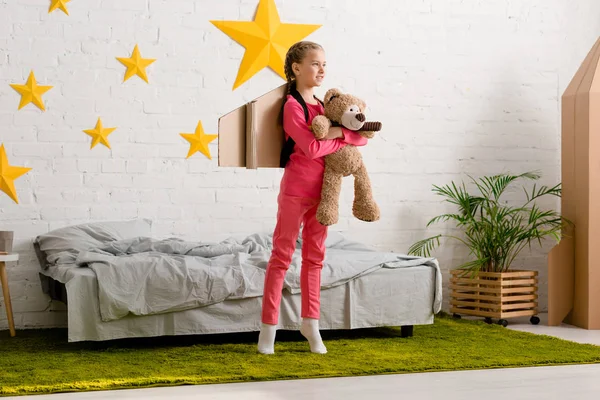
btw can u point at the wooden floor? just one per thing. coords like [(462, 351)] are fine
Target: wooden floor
[(578, 382)]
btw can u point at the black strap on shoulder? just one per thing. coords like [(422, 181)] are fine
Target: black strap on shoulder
[(288, 146)]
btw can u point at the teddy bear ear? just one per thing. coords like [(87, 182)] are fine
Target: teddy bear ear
[(331, 94)]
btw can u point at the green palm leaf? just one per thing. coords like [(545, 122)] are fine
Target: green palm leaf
[(423, 248), (460, 220), (495, 232)]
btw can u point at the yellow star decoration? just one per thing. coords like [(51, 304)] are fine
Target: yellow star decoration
[(99, 134), (266, 40), (8, 174), (31, 93), (136, 65), (62, 4), (199, 141)]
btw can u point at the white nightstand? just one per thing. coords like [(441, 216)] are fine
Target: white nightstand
[(4, 279)]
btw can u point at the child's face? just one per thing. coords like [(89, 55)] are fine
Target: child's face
[(311, 71)]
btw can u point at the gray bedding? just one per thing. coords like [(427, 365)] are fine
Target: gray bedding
[(145, 276), (140, 276), (385, 297)]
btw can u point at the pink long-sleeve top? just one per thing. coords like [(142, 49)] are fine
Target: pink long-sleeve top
[(303, 176)]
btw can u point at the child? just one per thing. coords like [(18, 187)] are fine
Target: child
[(299, 196)]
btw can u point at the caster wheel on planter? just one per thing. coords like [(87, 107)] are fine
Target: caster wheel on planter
[(503, 322), (534, 320), (488, 320), (457, 316)]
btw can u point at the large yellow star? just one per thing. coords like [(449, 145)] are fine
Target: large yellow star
[(199, 141), (62, 4), (99, 134), (266, 40), (136, 65), (31, 93), (8, 174)]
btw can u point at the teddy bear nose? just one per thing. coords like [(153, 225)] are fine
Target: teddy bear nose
[(360, 117)]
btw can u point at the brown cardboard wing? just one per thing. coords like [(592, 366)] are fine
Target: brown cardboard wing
[(251, 136), (574, 265)]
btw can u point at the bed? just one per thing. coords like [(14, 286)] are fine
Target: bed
[(119, 282)]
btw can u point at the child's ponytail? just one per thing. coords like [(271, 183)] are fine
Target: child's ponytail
[(288, 146), (295, 54)]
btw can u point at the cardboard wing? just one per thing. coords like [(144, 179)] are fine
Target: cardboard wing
[(574, 265), (251, 136)]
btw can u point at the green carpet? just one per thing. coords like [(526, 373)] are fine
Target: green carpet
[(43, 362)]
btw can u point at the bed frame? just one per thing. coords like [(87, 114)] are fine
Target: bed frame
[(386, 297)]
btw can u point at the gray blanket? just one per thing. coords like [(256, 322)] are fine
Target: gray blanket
[(144, 276)]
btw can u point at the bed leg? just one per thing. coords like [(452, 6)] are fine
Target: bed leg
[(406, 331)]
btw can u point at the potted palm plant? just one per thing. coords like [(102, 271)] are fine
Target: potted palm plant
[(495, 233)]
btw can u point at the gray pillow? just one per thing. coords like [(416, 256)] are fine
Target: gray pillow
[(61, 246)]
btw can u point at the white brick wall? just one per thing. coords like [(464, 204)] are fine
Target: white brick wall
[(462, 86)]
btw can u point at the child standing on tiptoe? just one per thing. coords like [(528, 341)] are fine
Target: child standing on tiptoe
[(299, 196)]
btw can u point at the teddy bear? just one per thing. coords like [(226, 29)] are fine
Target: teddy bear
[(342, 109)]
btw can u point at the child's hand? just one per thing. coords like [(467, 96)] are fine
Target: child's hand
[(335, 132)]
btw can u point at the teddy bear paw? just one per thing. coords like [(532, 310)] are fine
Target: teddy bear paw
[(320, 126), (327, 217), (366, 211)]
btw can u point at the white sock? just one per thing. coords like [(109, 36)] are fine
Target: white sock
[(310, 330), (266, 339)]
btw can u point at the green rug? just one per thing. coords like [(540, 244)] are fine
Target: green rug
[(43, 361)]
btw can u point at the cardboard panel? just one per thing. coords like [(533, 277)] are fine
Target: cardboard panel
[(574, 265), (579, 315), (594, 198), (232, 138), (251, 136), (561, 281), (269, 136)]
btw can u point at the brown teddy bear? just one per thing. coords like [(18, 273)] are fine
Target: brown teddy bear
[(347, 111)]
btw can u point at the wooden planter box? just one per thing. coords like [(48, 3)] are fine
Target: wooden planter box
[(495, 295)]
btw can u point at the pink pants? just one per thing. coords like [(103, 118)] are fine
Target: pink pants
[(292, 213)]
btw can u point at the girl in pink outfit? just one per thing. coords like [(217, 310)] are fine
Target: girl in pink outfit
[(299, 196)]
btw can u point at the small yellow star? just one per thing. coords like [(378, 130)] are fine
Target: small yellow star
[(266, 40), (136, 65), (8, 174), (99, 134), (31, 93), (199, 141), (62, 4)]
